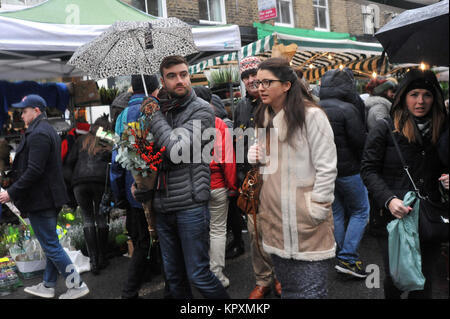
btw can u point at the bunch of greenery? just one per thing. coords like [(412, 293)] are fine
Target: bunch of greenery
[(228, 74), (107, 96)]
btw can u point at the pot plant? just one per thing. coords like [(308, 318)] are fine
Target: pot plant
[(223, 77)]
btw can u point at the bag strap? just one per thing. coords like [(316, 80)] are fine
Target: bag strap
[(107, 176), (405, 166)]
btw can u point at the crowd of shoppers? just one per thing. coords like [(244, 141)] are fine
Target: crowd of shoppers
[(321, 159)]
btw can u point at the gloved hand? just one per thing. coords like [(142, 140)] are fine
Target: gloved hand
[(143, 195)]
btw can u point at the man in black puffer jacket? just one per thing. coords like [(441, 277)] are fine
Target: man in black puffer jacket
[(183, 192), (351, 198)]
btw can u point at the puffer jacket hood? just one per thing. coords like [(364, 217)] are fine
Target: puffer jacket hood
[(338, 84), (411, 76)]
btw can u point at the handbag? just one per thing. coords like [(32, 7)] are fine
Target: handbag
[(433, 216), (248, 199)]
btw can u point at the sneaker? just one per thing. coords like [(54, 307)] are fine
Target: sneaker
[(75, 293), (355, 269), (41, 291)]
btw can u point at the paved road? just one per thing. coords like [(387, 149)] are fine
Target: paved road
[(108, 285)]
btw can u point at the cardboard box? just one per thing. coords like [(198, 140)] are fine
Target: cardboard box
[(85, 93)]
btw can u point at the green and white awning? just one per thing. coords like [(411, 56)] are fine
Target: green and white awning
[(316, 50)]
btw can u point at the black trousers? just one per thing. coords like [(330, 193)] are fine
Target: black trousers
[(429, 253), (140, 266), (234, 219)]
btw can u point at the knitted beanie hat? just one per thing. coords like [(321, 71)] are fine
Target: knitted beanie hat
[(249, 63)]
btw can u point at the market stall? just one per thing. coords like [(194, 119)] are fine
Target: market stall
[(313, 52)]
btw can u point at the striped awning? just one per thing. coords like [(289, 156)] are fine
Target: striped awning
[(314, 56), (253, 49)]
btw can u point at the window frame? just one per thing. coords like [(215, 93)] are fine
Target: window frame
[(222, 13), (327, 16), (163, 7), (291, 13)]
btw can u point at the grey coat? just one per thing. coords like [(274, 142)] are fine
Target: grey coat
[(377, 108), (184, 181)]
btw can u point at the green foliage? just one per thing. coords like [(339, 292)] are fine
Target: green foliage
[(107, 96), (223, 75), (444, 86)]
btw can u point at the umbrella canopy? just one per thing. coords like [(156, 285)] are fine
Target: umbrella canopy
[(418, 35), (128, 48)]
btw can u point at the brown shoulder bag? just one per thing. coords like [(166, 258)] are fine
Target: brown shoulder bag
[(248, 200)]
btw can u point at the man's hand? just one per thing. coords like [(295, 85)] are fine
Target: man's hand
[(4, 197)]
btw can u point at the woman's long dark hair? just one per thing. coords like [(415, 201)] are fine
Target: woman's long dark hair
[(296, 100), (90, 144)]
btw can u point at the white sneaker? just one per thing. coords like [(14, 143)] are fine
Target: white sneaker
[(41, 291), (75, 293)]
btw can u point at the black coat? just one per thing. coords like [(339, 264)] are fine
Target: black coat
[(244, 118), (382, 170), (336, 91), (85, 168), (37, 170)]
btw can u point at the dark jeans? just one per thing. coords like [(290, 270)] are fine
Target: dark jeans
[(89, 196), (58, 262), (429, 253), (184, 240)]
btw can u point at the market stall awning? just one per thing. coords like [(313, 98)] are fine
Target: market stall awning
[(315, 50), (56, 28)]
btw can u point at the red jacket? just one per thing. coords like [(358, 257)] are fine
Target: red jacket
[(223, 165)]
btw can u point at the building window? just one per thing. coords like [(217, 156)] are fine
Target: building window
[(285, 13), (212, 11), (371, 18), (156, 8), (321, 15)]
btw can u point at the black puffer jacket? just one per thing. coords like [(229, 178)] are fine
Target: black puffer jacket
[(381, 168), (186, 185), (87, 168), (244, 118), (349, 130)]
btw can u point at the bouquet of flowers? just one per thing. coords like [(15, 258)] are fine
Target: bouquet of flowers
[(137, 153)]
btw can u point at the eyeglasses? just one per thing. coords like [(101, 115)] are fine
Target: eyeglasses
[(265, 83)]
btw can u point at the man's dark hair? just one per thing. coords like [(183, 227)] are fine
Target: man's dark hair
[(248, 73), (151, 82), (170, 61)]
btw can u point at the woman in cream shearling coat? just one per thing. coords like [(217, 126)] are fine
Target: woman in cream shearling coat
[(299, 177)]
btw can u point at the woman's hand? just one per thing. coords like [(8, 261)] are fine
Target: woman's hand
[(397, 208), (444, 180), (255, 154)]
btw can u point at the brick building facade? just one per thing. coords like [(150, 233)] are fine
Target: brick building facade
[(348, 16)]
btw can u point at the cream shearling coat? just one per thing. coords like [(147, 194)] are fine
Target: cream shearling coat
[(298, 190)]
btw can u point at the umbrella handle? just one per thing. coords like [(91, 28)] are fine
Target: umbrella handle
[(143, 82)]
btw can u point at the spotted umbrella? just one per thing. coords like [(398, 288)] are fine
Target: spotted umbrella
[(128, 48)]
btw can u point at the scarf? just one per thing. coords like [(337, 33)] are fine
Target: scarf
[(424, 126), (167, 103)]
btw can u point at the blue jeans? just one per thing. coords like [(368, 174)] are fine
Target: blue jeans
[(351, 201), (184, 241), (44, 227)]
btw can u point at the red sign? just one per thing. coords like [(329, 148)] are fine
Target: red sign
[(268, 14), (267, 9)]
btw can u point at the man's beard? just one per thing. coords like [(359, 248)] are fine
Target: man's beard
[(174, 95)]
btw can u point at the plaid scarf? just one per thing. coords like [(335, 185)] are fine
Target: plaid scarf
[(424, 126)]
